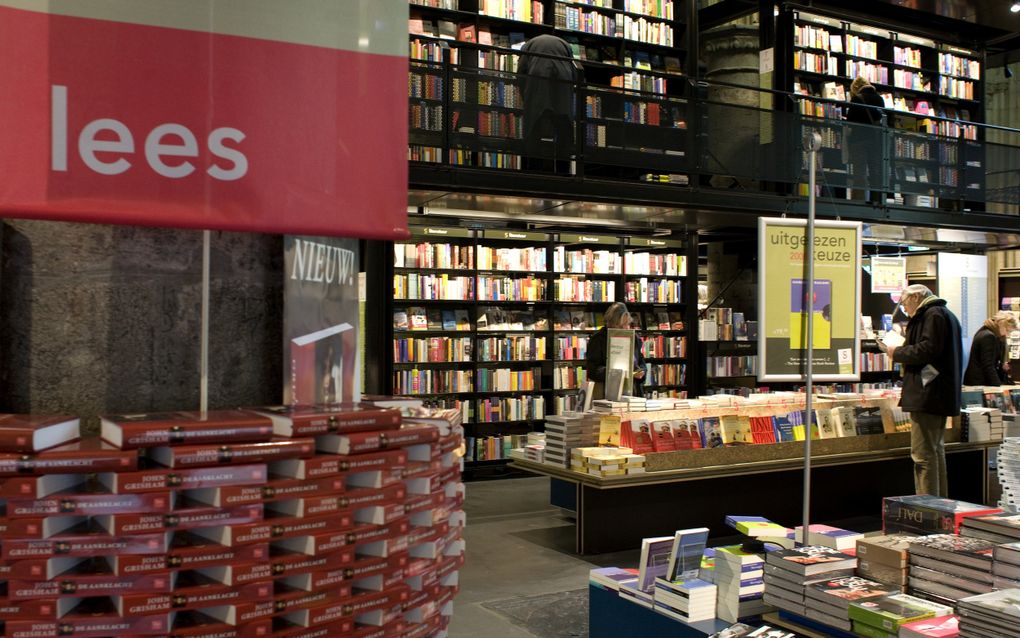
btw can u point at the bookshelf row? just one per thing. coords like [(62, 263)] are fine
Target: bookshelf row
[(408, 320)]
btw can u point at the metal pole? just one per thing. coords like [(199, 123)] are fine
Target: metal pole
[(812, 143), (203, 388)]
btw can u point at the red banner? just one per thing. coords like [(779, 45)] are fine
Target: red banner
[(127, 123)]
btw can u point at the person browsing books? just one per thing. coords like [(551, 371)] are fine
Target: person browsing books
[(988, 364), (548, 74), (932, 358), (617, 317), (865, 141)]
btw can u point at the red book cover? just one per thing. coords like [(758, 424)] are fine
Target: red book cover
[(380, 514), (377, 478), (142, 604), (382, 581), (314, 581), (130, 431), (195, 624), (662, 437), (291, 599), (193, 590), (423, 484), (289, 563), (88, 504), (187, 518), (315, 544), (225, 496), (305, 420), (88, 585), (287, 488), (154, 480), (40, 486), (361, 442), (341, 627), (373, 565), (36, 432), (372, 496), (308, 506), (189, 551), (289, 526), (84, 456), (330, 612), (238, 573), (369, 601), (11, 609), (384, 547), (88, 544), (319, 466), (85, 625), (237, 534), (369, 533), (210, 455), (243, 613), (386, 459), (446, 419), (640, 435)]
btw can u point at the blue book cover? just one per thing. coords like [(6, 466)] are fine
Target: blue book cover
[(711, 432), (685, 554), (783, 428)]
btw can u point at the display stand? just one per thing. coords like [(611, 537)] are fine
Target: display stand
[(609, 616)]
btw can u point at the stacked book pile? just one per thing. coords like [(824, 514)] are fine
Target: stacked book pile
[(739, 576), (691, 600), (981, 424), (1001, 527), (946, 567), (564, 432), (994, 615), (1008, 470), (606, 461), (926, 514), (829, 536), (295, 522), (789, 572), (828, 602), (635, 404), (883, 618), (535, 453), (1006, 566), (605, 406), (884, 558)]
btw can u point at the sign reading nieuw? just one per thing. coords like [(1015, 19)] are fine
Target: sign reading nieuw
[(228, 114)]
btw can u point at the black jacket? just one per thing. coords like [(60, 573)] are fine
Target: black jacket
[(547, 82), (859, 110), (986, 356), (933, 338), (595, 359)]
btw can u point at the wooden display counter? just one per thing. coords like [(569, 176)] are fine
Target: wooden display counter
[(849, 478)]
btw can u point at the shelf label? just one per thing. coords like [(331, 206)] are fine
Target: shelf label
[(655, 243), (515, 234), (432, 231), (571, 238)]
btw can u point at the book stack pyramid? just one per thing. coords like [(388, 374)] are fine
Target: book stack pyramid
[(994, 614), (981, 424), (1008, 470), (926, 514), (883, 618), (739, 576), (947, 567), (1006, 566), (564, 432), (828, 602), (606, 461), (884, 558), (291, 522), (789, 572)]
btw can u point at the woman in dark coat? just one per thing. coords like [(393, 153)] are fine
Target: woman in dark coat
[(548, 77), (865, 142), (987, 364), (617, 317)]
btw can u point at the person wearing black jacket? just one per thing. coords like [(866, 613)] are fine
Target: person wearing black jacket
[(932, 358), (548, 76), (865, 142), (987, 364), (617, 317)]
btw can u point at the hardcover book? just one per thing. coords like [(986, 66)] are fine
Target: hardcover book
[(685, 554), (961, 550), (887, 549), (841, 591), (84, 456), (654, 561), (159, 479), (87, 544), (186, 456), (36, 432), (829, 536), (360, 442), (303, 421), (889, 612), (88, 504), (131, 431), (40, 486), (947, 626), (810, 560), (926, 514)]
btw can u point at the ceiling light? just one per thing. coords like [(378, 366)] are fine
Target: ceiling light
[(1015, 7)]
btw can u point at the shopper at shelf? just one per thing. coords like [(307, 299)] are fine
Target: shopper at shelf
[(616, 317), (865, 140), (988, 364), (931, 357), (548, 77)]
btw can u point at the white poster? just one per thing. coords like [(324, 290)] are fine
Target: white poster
[(888, 274), (963, 283)]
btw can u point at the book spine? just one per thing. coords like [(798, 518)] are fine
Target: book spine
[(140, 435)]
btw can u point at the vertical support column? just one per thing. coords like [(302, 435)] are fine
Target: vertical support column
[(203, 387), (377, 258), (696, 378)]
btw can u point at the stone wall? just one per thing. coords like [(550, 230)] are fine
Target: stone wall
[(105, 319)]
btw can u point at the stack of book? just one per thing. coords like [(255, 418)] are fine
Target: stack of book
[(1006, 566), (947, 567), (691, 600), (1002, 527), (606, 461), (295, 522), (605, 406), (884, 558), (564, 432), (1008, 470), (981, 424), (828, 536), (611, 578), (995, 614), (828, 602), (883, 618), (926, 514), (937, 627), (788, 573), (739, 576)]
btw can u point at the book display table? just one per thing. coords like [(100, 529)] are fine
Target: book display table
[(616, 513), (610, 616)]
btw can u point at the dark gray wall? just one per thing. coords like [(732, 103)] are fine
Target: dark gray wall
[(105, 319)]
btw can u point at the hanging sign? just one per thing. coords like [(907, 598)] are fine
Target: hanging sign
[(252, 115), (888, 274), (832, 310)]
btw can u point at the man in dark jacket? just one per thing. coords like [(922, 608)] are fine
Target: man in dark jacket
[(548, 77), (931, 358), (987, 363), (866, 142), (617, 317)]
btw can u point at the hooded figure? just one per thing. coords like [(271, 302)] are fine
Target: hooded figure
[(548, 80), (865, 140)]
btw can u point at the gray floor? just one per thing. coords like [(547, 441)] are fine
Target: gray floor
[(518, 546)]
